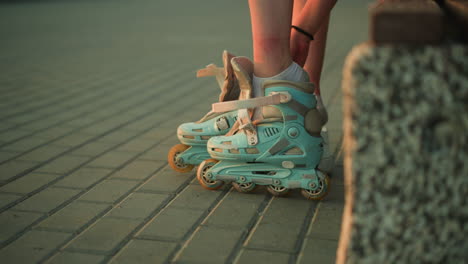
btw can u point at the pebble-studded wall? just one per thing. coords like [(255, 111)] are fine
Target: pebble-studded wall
[(406, 155)]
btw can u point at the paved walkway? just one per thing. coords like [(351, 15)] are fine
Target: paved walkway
[(91, 95)]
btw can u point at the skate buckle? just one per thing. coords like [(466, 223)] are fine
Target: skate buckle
[(287, 164), (222, 123), (293, 132), (251, 133), (284, 96)]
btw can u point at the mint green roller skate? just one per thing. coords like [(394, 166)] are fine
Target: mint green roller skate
[(280, 150), (194, 135)]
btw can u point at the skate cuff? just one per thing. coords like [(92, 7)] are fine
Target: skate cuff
[(273, 99)]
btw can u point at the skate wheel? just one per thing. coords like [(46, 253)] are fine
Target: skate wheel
[(278, 191), (321, 192), (244, 187), (176, 164), (202, 173)]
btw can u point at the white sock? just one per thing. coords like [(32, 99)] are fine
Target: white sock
[(294, 73)]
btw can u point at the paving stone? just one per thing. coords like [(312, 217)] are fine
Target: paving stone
[(117, 136), (6, 155), (110, 123), (327, 222), (171, 224), (271, 233), (210, 245), (337, 178), (92, 149), (167, 180), (144, 124), (145, 251), (319, 251), (54, 132), (158, 152), (195, 197), (138, 170), (32, 246), (105, 235), (335, 196), (83, 177), (236, 210), (13, 134), (46, 200), (12, 168), (28, 183), (7, 198), (112, 159), (259, 256), (43, 153), (108, 191), (158, 133), (73, 216), (136, 145), (74, 139), (82, 121), (37, 126), (6, 125), (171, 141), (138, 205), (63, 164), (25, 144), (14, 222), (76, 258)]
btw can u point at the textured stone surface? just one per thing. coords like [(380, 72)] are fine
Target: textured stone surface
[(271, 234), (46, 200), (406, 151), (137, 170), (138, 205), (83, 178), (259, 256), (108, 191), (78, 258), (145, 251), (32, 247), (28, 183), (16, 223), (210, 245), (63, 164), (105, 235), (73, 216), (167, 225)]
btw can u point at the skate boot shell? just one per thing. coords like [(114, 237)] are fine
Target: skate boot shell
[(194, 136), (281, 150)]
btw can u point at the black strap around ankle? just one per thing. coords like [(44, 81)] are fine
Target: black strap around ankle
[(300, 30)]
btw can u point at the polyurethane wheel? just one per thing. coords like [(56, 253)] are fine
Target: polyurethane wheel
[(175, 164), (202, 175), (278, 191), (320, 192), (244, 187)]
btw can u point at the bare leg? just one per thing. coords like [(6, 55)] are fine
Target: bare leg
[(314, 63), (313, 16), (271, 22)]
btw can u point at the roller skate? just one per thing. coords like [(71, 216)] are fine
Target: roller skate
[(280, 150), (194, 135)]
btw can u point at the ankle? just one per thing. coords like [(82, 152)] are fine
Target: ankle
[(293, 72)]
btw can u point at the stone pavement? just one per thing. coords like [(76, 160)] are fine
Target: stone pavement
[(91, 93)]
